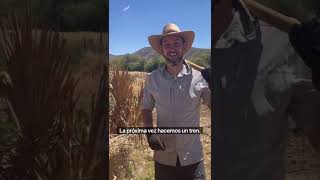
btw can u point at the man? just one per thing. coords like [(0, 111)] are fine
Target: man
[(258, 82), (175, 90)]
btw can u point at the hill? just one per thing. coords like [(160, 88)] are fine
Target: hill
[(148, 53)]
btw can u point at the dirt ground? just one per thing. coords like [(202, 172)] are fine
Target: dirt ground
[(302, 163)]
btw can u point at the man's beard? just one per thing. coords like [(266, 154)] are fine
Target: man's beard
[(174, 62)]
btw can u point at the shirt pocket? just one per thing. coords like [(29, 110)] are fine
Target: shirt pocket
[(188, 96)]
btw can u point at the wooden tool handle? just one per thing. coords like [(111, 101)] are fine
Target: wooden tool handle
[(271, 16), (195, 66), (266, 14)]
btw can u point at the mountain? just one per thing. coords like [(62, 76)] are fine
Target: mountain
[(148, 53), (111, 56)]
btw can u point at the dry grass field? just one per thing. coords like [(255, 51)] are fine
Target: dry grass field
[(132, 160), (302, 163)]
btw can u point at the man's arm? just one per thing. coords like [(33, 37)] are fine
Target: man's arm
[(206, 96), (206, 74), (148, 103), (305, 111)]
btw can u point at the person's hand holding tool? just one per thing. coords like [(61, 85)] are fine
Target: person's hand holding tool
[(155, 142)]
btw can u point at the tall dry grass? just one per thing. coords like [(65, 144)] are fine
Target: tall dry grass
[(40, 91), (124, 112)]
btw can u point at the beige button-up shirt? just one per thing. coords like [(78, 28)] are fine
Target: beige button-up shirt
[(177, 101)]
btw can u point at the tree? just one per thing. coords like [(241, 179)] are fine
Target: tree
[(130, 62), (202, 60)]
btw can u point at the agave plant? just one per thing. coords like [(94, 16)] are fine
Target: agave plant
[(122, 94), (40, 91), (125, 110)]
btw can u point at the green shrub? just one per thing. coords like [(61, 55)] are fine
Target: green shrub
[(202, 60)]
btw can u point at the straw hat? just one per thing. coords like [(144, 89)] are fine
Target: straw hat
[(171, 29)]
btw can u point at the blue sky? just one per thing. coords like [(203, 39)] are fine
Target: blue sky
[(132, 21)]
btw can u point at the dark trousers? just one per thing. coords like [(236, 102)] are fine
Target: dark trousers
[(190, 172)]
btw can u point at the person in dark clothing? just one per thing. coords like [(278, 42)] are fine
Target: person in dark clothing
[(258, 82)]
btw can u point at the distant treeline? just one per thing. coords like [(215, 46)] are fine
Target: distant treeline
[(133, 62), (69, 15)]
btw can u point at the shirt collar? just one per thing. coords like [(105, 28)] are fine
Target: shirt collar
[(186, 70)]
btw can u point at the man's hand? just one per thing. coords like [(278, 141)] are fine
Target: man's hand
[(155, 142), (206, 74), (305, 39)]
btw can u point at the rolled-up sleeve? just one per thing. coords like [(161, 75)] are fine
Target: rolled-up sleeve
[(148, 102)]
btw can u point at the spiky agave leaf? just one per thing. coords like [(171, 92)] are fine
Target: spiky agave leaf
[(42, 93)]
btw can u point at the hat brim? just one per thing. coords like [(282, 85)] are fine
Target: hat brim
[(188, 36)]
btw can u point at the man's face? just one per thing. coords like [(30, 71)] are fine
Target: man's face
[(172, 48)]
